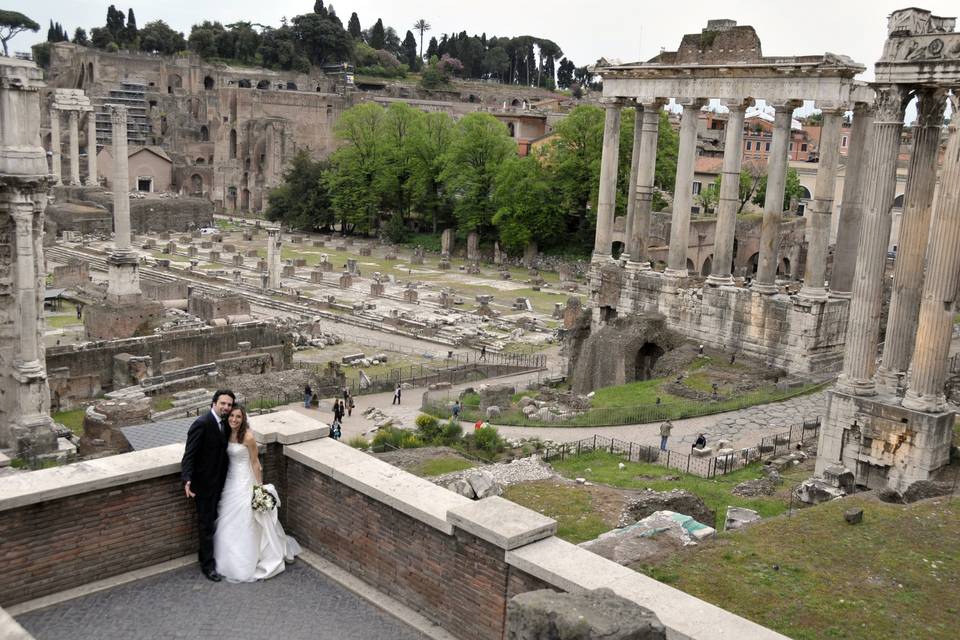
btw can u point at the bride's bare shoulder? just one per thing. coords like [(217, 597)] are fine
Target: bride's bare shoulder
[(248, 438)]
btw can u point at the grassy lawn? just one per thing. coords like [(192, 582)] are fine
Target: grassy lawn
[(72, 419), (63, 321), (440, 466), (569, 505), (813, 576), (715, 492), (162, 403)]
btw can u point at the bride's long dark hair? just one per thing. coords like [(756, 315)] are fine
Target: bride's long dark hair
[(244, 425)]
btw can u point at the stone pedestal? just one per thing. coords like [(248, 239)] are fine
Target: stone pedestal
[(473, 268), (288, 271), (214, 256), (192, 251), (319, 244), (316, 276), (885, 445), (346, 280), (237, 260), (410, 295), (262, 266), (444, 262), (324, 264), (376, 289), (352, 266), (365, 251)]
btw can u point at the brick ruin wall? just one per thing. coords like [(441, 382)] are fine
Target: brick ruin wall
[(148, 215)]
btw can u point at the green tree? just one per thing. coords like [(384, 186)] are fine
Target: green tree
[(203, 39), (353, 27), (302, 200), (80, 37), (395, 182), (116, 25), (378, 36), (433, 49), (792, 189), (158, 36), (433, 137), (668, 146), (565, 73), (496, 62), (356, 166), (246, 41), (527, 206), (422, 26), (12, 23), (709, 196), (131, 34), (323, 39), (481, 143), (410, 56), (574, 156)]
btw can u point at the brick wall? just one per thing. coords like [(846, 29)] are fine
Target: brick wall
[(460, 582), (61, 544)]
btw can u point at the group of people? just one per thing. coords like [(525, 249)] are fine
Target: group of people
[(341, 407), (219, 469), (667, 427)]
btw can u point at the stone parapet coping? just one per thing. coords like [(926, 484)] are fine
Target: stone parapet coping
[(10, 629), (22, 489), (414, 496), (572, 568), (287, 427), (501, 522)]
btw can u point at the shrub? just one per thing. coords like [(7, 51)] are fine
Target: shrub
[(451, 433), (428, 428), (358, 442), (388, 437), (489, 440)]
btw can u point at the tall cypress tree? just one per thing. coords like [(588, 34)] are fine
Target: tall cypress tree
[(409, 48), (132, 33), (353, 27), (378, 37)]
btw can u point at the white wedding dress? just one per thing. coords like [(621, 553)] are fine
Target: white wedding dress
[(248, 545)]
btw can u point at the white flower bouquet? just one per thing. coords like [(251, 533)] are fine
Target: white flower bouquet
[(263, 500)]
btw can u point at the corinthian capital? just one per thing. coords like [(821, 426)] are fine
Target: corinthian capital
[(891, 103), (118, 114), (931, 104)]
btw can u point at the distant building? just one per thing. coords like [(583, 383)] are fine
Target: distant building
[(151, 169)]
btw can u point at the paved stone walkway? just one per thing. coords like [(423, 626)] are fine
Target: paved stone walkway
[(298, 604)]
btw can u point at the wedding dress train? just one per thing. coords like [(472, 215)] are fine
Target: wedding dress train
[(248, 545)]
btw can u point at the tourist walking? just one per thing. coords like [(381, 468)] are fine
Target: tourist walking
[(483, 352), (307, 396), (456, 410), (343, 410), (337, 410), (349, 404), (396, 395), (665, 430)]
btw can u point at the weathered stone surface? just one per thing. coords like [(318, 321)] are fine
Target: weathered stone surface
[(495, 395), (483, 485), (853, 516), (591, 615), (816, 491), (677, 500), (923, 489), (739, 517)]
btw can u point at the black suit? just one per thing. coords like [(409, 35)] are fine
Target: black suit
[(204, 465)]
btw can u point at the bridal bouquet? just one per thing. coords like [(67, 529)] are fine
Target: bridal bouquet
[(262, 500)]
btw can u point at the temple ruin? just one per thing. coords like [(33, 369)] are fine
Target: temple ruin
[(890, 425)]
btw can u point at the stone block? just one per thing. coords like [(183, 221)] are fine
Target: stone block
[(853, 516), (214, 256), (416, 260), (376, 289), (229, 248), (262, 266), (237, 260), (365, 251), (288, 271), (316, 276), (252, 253), (346, 280), (171, 248), (502, 523), (296, 239), (739, 517), (410, 295), (206, 245), (319, 244), (600, 614)]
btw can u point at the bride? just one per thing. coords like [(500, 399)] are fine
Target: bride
[(248, 545)]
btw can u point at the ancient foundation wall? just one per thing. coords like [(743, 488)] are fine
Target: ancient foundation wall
[(147, 215), (190, 346), (884, 444), (784, 331), (456, 561)]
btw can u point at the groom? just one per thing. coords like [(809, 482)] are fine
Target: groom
[(204, 469)]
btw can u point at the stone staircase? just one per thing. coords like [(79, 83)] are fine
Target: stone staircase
[(132, 95)]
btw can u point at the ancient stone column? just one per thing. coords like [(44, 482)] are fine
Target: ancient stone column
[(851, 208), (92, 177), (638, 238), (274, 253), (55, 145), (821, 210), (73, 120), (773, 204), (607, 197), (879, 182), (683, 191), (935, 325), (121, 179), (912, 245), (632, 189), (729, 196)]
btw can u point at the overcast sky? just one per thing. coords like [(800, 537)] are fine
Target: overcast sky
[(626, 29)]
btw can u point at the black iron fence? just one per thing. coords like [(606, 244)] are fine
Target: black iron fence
[(705, 465)]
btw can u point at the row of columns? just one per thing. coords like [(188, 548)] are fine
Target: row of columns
[(639, 200), (73, 129), (920, 321)]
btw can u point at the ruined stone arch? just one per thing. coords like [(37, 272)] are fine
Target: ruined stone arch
[(231, 203), (207, 83), (291, 86), (516, 102), (201, 160), (174, 81), (805, 193), (645, 359), (511, 130), (752, 264), (245, 200), (707, 267), (196, 184), (783, 268), (691, 268), (245, 83), (204, 133), (616, 249), (263, 84), (473, 98)]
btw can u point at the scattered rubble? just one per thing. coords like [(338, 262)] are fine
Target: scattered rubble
[(739, 517), (677, 500), (660, 531)]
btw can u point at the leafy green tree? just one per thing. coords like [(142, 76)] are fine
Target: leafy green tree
[(565, 74), (792, 189), (116, 25), (410, 56), (355, 167), (527, 205), (278, 50), (481, 143), (395, 182), (353, 27), (203, 39), (574, 156), (80, 37), (41, 54), (318, 8), (246, 41), (323, 39), (302, 200), (422, 26), (12, 23), (433, 49), (668, 146), (433, 137), (158, 36), (378, 36), (100, 37), (496, 62)]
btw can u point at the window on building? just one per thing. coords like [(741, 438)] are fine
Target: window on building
[(768, 147), (843, 142), (791, 146), (803, 146), (749, 145), (696, 187)]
